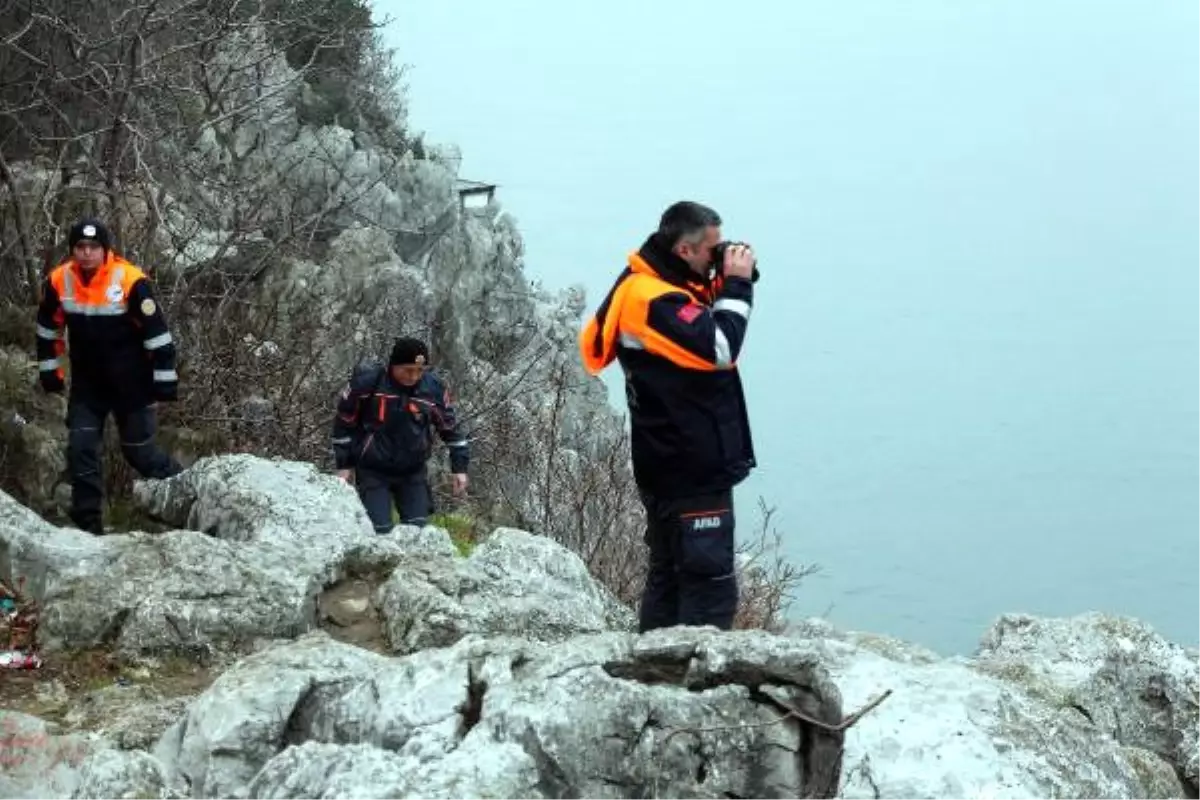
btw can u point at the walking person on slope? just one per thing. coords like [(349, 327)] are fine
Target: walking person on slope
[(383, 433), (100, 310)]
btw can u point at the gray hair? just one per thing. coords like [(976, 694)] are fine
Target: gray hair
[(686, 220)]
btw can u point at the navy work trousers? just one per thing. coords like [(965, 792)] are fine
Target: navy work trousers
[(411, 493), (86, 415), (691, 578)]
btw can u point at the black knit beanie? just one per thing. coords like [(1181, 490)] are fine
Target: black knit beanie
[(89, 230), (409, 351)]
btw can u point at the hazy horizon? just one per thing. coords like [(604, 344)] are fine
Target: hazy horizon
[(972, 365)]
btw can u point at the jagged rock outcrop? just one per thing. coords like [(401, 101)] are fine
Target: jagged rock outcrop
[(504, 717), (513, 583), (299, 521), (510, 673), (36, 761), (1116, 671), (262, 549), (952, 728), (258, 541)]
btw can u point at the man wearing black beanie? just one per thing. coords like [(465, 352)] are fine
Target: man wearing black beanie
[(383, 435), (100, 311)]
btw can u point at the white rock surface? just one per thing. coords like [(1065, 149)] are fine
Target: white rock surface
[(39, 763), (513, 582), (265, 539), (522, 677), (298, 521), (274, 534), (501, 717), (950, 731), (1134, 685)]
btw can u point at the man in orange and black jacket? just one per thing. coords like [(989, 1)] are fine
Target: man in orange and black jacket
[(122, 361), (676, 320)]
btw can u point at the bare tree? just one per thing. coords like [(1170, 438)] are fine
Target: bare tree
[(253, 157), (194, 129)]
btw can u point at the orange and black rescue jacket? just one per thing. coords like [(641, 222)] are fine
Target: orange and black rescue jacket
[(108, 322), (677, 338)]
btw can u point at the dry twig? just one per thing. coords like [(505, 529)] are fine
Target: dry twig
[(789, 713)]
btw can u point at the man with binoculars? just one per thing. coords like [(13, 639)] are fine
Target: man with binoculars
[(676, 319)]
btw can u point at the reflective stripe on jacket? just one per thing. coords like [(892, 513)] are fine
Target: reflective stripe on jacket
[(677, 337), (110, 326)]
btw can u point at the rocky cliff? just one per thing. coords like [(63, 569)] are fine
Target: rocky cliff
[(260, 166), (267, 644)]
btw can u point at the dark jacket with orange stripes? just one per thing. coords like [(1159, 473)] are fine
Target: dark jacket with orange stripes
[(385, 427), (113, 330), (677, 337)]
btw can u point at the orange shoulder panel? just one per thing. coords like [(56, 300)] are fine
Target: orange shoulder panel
[(634, 322)]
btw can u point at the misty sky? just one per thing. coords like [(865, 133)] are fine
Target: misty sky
[(972, 365)]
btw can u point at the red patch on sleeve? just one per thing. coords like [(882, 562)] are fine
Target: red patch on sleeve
[(689, 312)]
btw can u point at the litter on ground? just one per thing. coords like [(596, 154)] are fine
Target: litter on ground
[(18, 628)]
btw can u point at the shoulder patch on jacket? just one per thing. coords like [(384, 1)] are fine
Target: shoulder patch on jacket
[(690, 312)]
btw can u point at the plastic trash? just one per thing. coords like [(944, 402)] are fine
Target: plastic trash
[(17, 659), (18, 628)]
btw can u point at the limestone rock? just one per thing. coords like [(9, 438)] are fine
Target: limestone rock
[(1116, 671), (950, 730), (141, 591), (265, 539), (365, 771), (180, 591), (298, 521), (679, 713), (429, 541), (519, 676), (123, 774), (35, 761), (39, 552), (512, 583), (38, 762)]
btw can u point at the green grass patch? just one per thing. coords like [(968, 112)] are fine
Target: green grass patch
[(464, 529), (461, 527)]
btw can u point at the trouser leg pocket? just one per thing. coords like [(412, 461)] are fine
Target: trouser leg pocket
[(707, 542)]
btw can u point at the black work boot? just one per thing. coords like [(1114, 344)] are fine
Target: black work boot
[(88, 521)]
